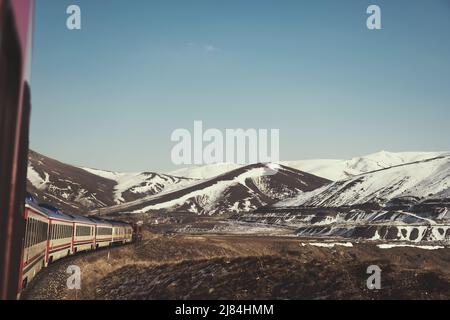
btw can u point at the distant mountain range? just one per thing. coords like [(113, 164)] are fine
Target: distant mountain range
[(240, 190), (382, 178), (331, 169)]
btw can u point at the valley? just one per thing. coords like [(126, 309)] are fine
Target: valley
[(262, 231)]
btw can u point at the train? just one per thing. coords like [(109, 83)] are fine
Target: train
[(51, 235)]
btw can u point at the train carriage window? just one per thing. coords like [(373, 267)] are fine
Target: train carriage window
[(103, 231), (39, 231), (33, 232), (83, 231), (27, 234), (39, 238)]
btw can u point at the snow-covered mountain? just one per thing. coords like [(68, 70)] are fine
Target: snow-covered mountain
[(331, 169), (425, 179), (339, 169), (384, 179), (240, 190), (79, 190), (131, 186), (405, 202), (67, 187)]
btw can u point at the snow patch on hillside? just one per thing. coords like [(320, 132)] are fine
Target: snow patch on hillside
[(36, 180)]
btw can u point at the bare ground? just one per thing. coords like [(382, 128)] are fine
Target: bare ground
[(180, 266)]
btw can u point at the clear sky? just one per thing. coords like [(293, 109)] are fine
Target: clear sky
[(110, 95)]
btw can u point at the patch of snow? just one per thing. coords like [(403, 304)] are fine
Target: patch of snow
[(329, 244), (392, 245), (206, 171), (36, 180)]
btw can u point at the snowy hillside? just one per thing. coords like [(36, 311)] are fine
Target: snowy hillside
[(134, 185), (240, 190), (79, 190), (67, 187), (423, 179), (342, 169)]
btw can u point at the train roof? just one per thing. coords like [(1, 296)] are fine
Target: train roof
[(99, 221), (53, 212), (82, 219), (119, 224), (31, 201)]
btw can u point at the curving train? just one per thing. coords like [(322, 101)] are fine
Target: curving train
[(51, 235)]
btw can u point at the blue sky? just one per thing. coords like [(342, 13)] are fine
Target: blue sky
[(110, 95)]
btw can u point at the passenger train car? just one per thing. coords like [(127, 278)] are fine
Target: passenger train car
[(51, 235)]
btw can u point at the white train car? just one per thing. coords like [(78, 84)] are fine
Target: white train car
[(51, 235), (35, 241), (84, 234), (119, 232), (128, 233), (60, 239), (103, 233)]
